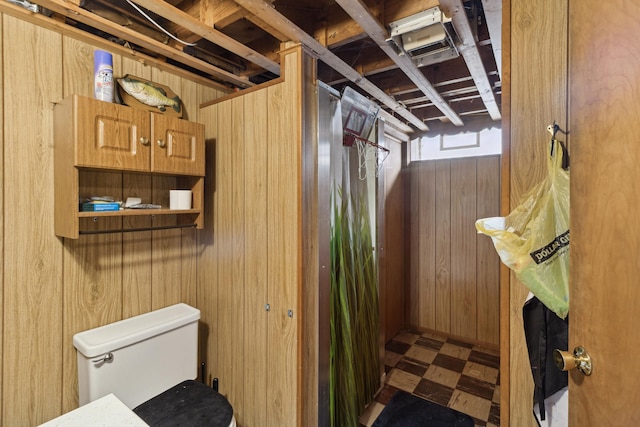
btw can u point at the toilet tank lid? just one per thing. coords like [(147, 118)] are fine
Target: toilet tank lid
[(111, 337)]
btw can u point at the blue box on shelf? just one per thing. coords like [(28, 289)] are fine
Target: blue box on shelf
[(99, 207)]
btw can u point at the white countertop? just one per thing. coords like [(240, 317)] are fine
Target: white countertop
[(107, 411)]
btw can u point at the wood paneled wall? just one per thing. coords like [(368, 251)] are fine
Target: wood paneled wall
[(392, 270), (53, 287), (254, 257), (453, 274)]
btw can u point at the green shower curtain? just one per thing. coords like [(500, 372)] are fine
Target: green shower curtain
[(354, 354)]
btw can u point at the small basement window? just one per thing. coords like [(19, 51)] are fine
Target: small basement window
[(466, 144)]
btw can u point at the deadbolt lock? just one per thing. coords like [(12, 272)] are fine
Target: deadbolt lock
[(580, 359)]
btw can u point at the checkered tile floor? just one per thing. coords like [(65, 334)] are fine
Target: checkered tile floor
[(449, 372)]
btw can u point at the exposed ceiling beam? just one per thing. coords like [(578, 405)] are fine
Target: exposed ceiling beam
[(78, 14), (393, 121), (266, 11), (185, 20), (266, 27), (338, 29), (372, 62), (361, 14), (114, 14), (471, 55), (65, 29), (398, 9), (220, 13), (493, 16), (193, 8)]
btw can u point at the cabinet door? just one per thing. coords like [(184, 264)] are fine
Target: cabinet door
[(111, 136), (178, 146)]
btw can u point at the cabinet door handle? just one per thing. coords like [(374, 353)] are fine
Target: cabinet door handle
[(144, 141), (161, 143)]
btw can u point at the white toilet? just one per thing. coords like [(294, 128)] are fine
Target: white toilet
[(149, 362)]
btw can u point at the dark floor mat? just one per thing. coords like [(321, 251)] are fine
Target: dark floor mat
[(407, 410)]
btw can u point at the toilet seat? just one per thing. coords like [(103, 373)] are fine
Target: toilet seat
[(188, 403)]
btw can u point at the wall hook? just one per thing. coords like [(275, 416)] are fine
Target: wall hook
[(554, 129)]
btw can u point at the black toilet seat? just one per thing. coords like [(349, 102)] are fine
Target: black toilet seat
[(189, 403)]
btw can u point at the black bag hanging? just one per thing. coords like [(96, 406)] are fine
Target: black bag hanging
[(544, 332)]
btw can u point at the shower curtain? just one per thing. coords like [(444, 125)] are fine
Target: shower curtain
[(354, 348)]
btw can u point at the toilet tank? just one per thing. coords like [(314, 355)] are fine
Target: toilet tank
[(139, 357)]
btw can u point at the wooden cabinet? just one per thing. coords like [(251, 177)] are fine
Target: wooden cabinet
[(179, 146), (99, 144), (117, 137)]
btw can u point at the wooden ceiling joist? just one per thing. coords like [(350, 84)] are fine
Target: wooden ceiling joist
[(378, 33), (340, 31), (349, 37), (268, 13), (393, 121), (115, 15), (219, 14), (79, 14), (185, 20), (471, 55), (267, 27), (493, 15), (66, 29), (192, 8)]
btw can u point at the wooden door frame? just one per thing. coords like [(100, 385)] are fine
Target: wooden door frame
[(505, 175)]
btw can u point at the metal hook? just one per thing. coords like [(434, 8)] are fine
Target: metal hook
[(554, 129)]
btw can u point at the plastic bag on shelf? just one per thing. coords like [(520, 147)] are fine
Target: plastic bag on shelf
[(533, 240)]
